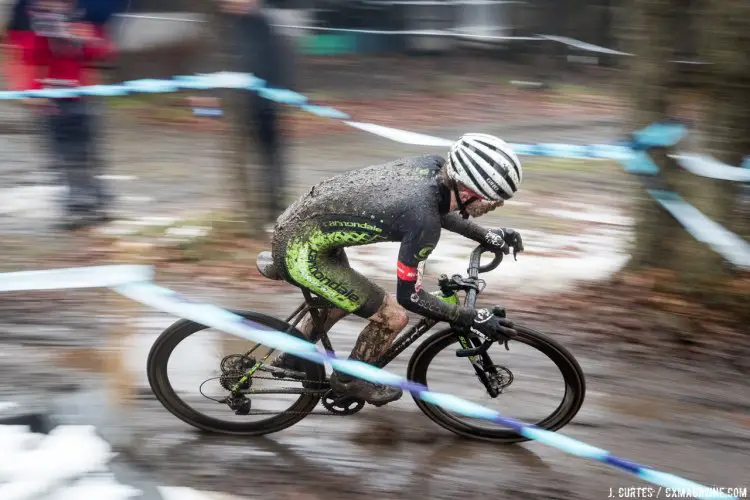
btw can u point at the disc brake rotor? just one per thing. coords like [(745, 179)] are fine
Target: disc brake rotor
[(499, 377)]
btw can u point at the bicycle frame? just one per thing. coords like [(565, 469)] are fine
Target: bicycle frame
[(318, 308)]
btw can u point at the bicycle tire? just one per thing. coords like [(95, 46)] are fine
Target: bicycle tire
[(575, 385), (159, 381)]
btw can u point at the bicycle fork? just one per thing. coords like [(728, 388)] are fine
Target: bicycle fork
[(471, 345)]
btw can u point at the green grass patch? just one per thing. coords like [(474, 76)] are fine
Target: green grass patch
[(143, 100), (545, 165)]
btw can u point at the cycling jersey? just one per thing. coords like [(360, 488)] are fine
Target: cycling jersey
[(398, 201)]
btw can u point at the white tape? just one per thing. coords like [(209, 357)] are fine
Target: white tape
[(229, 80), (402, 136), (81, 277), (724, 242), (449, 33), (168, 301), (160, 17), (707, 166), (572, 42)]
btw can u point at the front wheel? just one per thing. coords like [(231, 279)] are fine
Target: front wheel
[(435, 364)]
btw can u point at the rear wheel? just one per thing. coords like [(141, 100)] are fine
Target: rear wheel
[(425, 368), (171, 391)]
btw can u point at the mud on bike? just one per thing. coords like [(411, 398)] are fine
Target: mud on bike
[(242, 375)]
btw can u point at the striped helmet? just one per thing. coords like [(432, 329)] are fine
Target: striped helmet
[(486, 165)]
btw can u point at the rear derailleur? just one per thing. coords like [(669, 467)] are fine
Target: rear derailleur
[(238, 403), (233, 378)]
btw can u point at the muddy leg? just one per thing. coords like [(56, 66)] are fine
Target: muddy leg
[(380, 333), (374, 340), (332, 317)]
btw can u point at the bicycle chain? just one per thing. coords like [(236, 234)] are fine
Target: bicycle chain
[(326, 413)]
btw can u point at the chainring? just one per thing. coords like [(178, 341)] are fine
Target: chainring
[(341, 405)]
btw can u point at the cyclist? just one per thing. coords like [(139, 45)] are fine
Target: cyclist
[(408, 200)]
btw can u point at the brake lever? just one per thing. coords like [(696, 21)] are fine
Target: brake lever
[(515, 252)]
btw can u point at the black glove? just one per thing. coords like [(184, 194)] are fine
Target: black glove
[(492, 323), (514, 241), (502, 240)]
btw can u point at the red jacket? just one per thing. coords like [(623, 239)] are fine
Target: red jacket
[(32, 60)]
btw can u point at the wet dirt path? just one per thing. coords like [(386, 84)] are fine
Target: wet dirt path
[(687, 422), (690, 421)]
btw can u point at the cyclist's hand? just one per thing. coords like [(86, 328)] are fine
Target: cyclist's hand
[(494, 241), (502, 240), (492, 322), (513, 240)]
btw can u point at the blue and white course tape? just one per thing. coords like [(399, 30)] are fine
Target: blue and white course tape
[(632, 156), (134, 283), (231, 80), (706, 166), (724, 242), (668, 134)]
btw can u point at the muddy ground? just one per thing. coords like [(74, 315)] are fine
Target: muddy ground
[(687, 418)]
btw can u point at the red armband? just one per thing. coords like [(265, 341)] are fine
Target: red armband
[(406, 273)]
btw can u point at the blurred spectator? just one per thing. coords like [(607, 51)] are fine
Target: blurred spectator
[(245, 41), (54, 48)]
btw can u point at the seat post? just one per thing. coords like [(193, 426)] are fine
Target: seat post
[(318, 325), (319, 332)]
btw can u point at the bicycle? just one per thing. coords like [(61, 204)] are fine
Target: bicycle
[(240, 371)]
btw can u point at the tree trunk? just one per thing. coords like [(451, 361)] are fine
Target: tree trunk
[(649, 33), (725, 44), (723, 131), (657, 35), (242, 163)]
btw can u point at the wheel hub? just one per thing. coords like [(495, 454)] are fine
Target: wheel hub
[(498, 378)]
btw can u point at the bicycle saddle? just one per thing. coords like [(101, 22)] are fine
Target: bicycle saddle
[(264, 262)]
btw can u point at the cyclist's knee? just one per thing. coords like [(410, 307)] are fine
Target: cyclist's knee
[(391, 314), (398, 319)]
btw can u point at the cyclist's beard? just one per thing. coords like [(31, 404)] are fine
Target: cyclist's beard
[(477, 207)]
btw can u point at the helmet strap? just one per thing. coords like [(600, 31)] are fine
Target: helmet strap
[(459, 203)]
